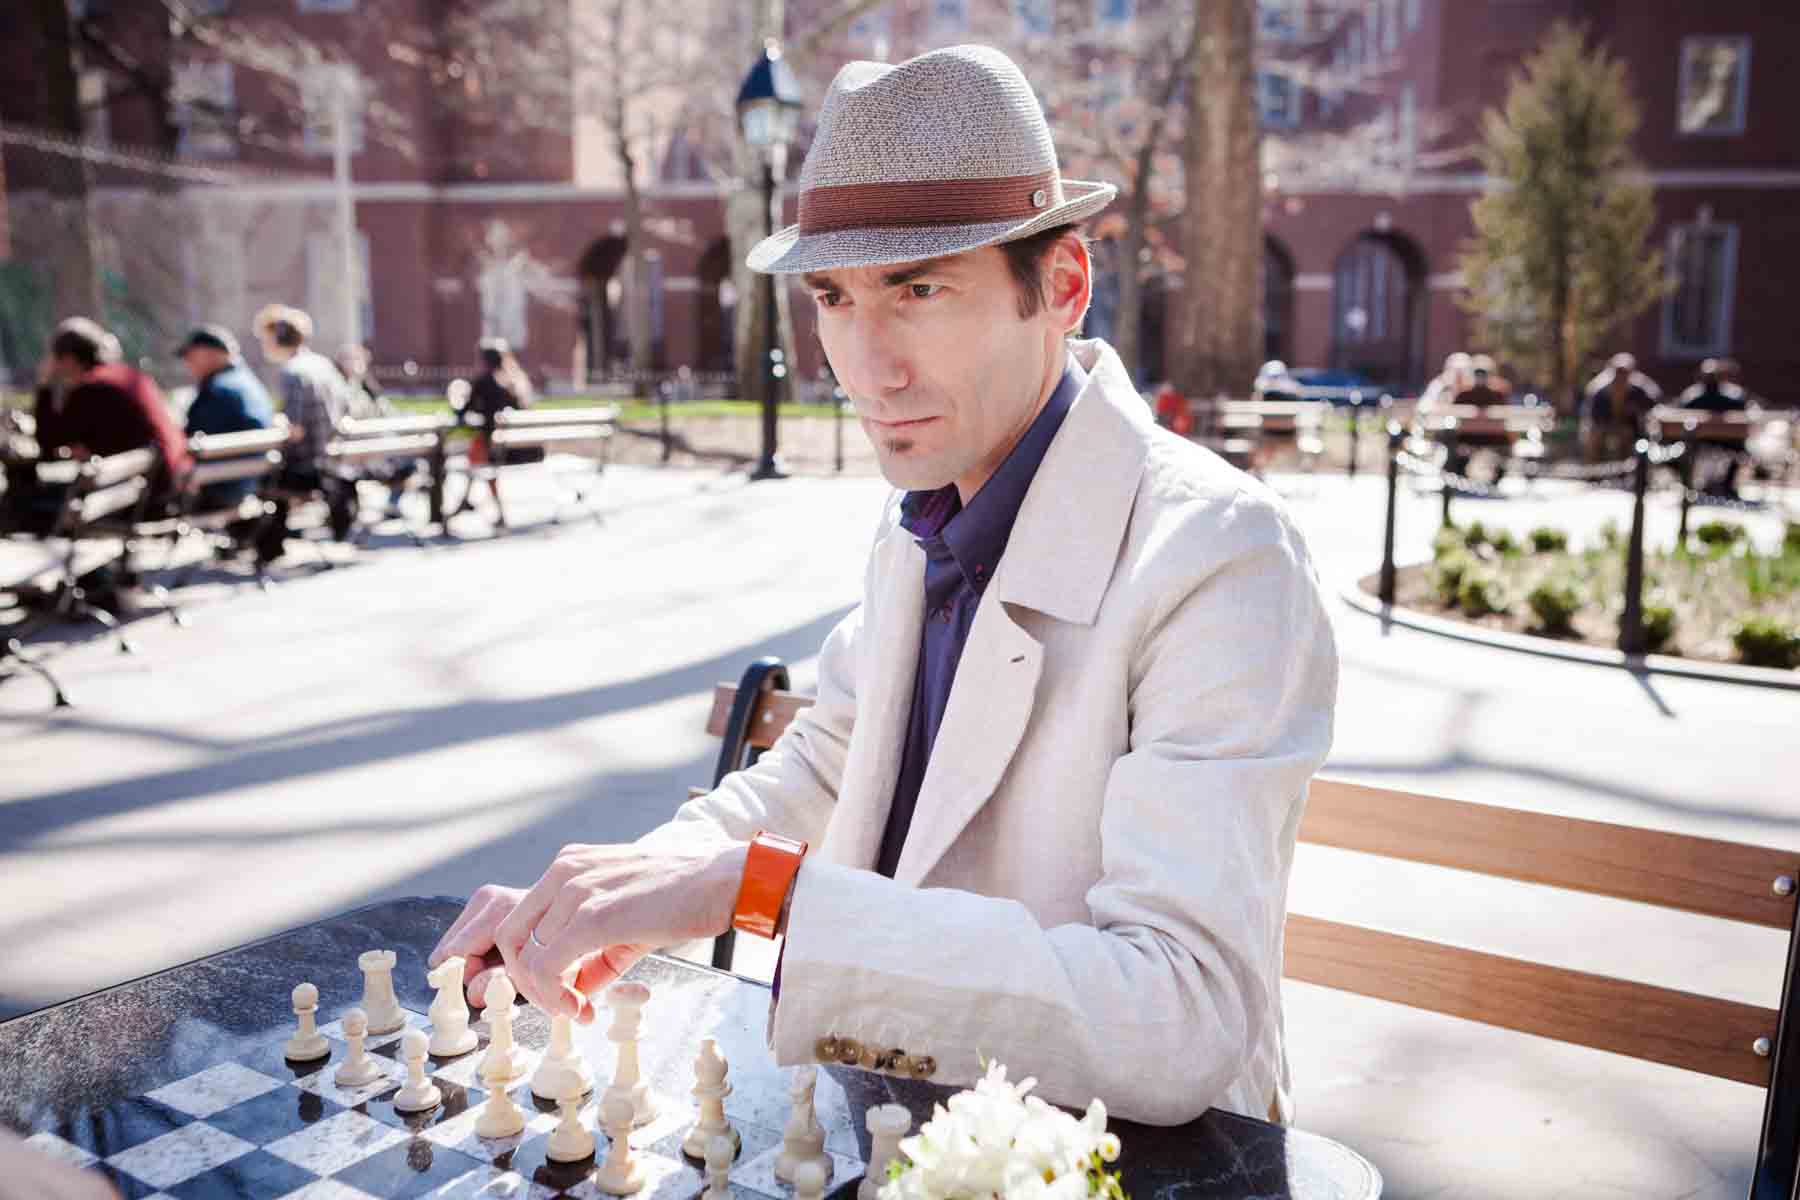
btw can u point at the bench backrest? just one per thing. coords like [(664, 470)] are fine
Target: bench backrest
[(1725, 880), (210, 447), (533, 418)]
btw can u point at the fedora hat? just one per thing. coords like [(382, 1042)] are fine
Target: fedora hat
[(939, 154)]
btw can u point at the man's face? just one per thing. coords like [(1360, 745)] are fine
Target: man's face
[(202, 361), (272, 351), (944, 372)]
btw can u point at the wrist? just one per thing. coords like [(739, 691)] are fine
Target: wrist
[(771, 863)]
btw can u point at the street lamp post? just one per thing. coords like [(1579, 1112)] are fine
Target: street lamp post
[(768, 106)]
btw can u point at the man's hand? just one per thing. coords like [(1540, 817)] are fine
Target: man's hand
[(471, 937), (26, 1174), (598, 909)]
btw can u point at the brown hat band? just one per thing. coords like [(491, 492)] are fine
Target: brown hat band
[(927, 202)]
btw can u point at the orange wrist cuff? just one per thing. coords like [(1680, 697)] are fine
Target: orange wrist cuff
[(769, 871)]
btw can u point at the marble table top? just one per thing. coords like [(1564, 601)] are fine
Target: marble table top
[(60, 1063)]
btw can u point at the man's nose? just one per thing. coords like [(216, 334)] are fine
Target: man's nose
[(880, 365)]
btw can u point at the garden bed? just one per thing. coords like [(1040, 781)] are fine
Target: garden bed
[(1717, 599)]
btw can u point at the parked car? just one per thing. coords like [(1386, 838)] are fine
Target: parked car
[(1335, 385)]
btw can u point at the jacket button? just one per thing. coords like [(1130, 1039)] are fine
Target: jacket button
[(924, 1066), (849, 1051), (826, 1049), (891, 1060), (868, 1058)]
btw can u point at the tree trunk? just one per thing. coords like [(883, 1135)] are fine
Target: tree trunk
[(76, 284), (637, 279), (1219, 339)]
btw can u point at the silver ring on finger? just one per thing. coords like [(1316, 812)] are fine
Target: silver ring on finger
[(533, 939)]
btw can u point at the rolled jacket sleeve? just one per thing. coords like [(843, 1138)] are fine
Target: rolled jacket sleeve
[(1162, 1004)]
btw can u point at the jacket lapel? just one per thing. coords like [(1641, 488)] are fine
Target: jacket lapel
[(1058, 562)]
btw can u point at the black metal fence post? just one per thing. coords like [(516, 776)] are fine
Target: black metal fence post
[(1393, 503), (1355, 430), (1631, 623), (440, 468), (837, 427), (1685, 473), (663, 395)]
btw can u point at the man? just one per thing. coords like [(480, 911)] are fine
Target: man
[(1619, 400), (1712, 392), (1058, 757), (1441, 392), (314, 397), (228, 399), (1479, 394), (88, 403), (1715, 394)]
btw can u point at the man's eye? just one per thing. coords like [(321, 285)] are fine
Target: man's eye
[(828, 299), (925, 291)]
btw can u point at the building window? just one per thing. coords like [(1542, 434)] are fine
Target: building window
[(1353, 46), (335, 6), (1278, 100), (1035, 18), (1390, 26), (1715, 78), (1371, 38), (324, 275), (1409, 127), (206, 109), (949, 17), (319, 87), (1277, 20), (1412, 15), (1703, 267), (1113, 12)]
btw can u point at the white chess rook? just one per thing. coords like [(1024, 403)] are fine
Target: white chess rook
[(628, 1000), (502, 1060), (357, 1068), (620, 1174), (450, 1032), (888, 1124), (710, 1089), (803, 1140), (419, 1094), (379, 1000), (561, 1062), (307, 1043)]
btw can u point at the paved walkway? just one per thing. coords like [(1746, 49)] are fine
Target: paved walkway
[(423, 721)]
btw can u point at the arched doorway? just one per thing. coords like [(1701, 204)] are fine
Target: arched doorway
[(604, 332), (716, 312), (1378, 309), (1278, 301)]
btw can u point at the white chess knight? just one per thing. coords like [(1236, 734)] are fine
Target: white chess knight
[(450, 1032), (548, 1082), (710, 1089), (803, 1141), (307, 1043), (420, 1093), (888, 1123), (357, 1068), (379, 1000), (621, 1174), (627, 1001), (502, 1059)]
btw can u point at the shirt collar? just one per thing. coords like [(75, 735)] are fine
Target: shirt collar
[(976, 536)]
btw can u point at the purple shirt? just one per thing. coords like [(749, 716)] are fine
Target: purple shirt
[(962, 548)]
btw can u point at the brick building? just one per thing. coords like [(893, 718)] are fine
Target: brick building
[(468, 225)]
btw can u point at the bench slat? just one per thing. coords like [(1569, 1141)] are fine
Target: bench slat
[(774, 712), (1671, 870), (106, 501), (116, 468), (225, 470), (518, 418), (360, 449), (1679, 1029), (507, 436), (209, 447)]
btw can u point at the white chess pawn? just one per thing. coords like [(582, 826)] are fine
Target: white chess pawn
[(450, 1032), (420, 1093), (620, 1174), (719, 1153), (628, 1000), (357, 1068), (502, 1059), (570, 1141), (379, 1001), (888, 1123), (803, 1140), (809, 1181), (308, 1043), (547, 1082), (710, 1089), (500, 1116)]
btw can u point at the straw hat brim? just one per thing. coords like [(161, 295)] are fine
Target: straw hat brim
[(789, 251)]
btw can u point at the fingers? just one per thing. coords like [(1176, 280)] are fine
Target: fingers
[(472, 933), (479, 974), (542, 975), (511, 934), (598, 971)]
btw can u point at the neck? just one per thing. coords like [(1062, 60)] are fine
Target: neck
[(1056, 363)]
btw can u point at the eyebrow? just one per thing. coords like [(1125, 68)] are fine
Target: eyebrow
[(820, 282)]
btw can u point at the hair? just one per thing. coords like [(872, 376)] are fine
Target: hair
[(82, 340), (286, 327), (1025, 260)]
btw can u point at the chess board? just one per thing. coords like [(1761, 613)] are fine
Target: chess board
[(262, 1128)]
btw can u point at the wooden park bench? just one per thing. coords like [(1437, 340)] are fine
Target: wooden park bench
[(254, 454), (587, 432), (1249, 433), (1728, 881), (359, 445), (1512, 431)]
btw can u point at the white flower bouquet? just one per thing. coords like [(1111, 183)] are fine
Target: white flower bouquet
[(999, 1141)]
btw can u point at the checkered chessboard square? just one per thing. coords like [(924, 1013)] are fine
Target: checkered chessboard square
[(263, 1128)]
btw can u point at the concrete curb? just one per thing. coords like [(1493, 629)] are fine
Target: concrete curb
[(1363, 601)]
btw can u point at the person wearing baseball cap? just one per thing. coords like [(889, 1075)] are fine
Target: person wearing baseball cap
[(1044, 807), (228, 398)]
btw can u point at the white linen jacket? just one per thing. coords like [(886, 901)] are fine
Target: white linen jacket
[(1094, 884)]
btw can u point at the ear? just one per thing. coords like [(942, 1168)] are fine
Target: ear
[(1068, 283)]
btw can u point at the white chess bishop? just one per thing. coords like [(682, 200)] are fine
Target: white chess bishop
[(803, 1140), (710, 1089)]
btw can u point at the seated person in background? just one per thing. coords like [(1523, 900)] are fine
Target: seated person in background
[(1479, 394), (1618, 402), (90, 404), (1501, 384), (1443, 388), (228, 399), (501, 385), (314, 398), (367, 403), (1712, 392)]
